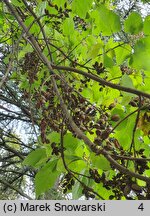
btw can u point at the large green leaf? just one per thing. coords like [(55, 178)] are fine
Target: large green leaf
[(122, 53), (36, 158), (108, 62), (68, 27), (146, 28), (17, 3), (126, 81), (94, 51), (46, 177), (100, 162), (141, 56), (80, 8), (71, 143), (106, 21), (133, 24), (54, 137)]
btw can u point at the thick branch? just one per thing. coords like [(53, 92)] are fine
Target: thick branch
[(102, 81)]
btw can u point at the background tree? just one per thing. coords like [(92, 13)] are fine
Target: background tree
[(75, 76)]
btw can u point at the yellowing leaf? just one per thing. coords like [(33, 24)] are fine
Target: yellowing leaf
[(144, 123)]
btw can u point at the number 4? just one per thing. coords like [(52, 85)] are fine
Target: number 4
[(141, 207)]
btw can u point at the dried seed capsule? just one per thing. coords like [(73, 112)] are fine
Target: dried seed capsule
[(115, 117)]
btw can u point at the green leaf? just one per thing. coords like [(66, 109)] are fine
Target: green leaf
[(88, 93), (77, 165), (17, 3), (146, 28), (26, 49), (122, 53), (33, 27), (54, 137), (127, 81), (141, 56), (145, 1), (71, 143), (96, 97), (80, 8), (94, 51), (35, 158), (72, 158), (77, 189), (68, 27), (59, 3), (41, 8), (108, 62), (106, 21), (46, 177), (100, 162), (133, 24), (105, 193), (1, 20)]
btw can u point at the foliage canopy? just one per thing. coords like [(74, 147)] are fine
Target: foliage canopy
[(77, 73)]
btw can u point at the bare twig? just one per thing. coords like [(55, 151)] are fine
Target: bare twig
[(15, 189), (122, 157), (134, 129), (7, 73)]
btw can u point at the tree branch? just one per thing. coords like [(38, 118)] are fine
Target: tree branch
[(15, 189), (102, 81)]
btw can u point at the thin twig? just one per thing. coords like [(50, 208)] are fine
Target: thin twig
[(134, 129), (122, 157), (7, 73), (15, 189)]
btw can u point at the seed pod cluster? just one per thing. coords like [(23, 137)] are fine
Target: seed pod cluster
[(95, 175), (88, 193), (141, 166), (99, 67), (56, 149), (31, 66), (67, 182), (80, 23)]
